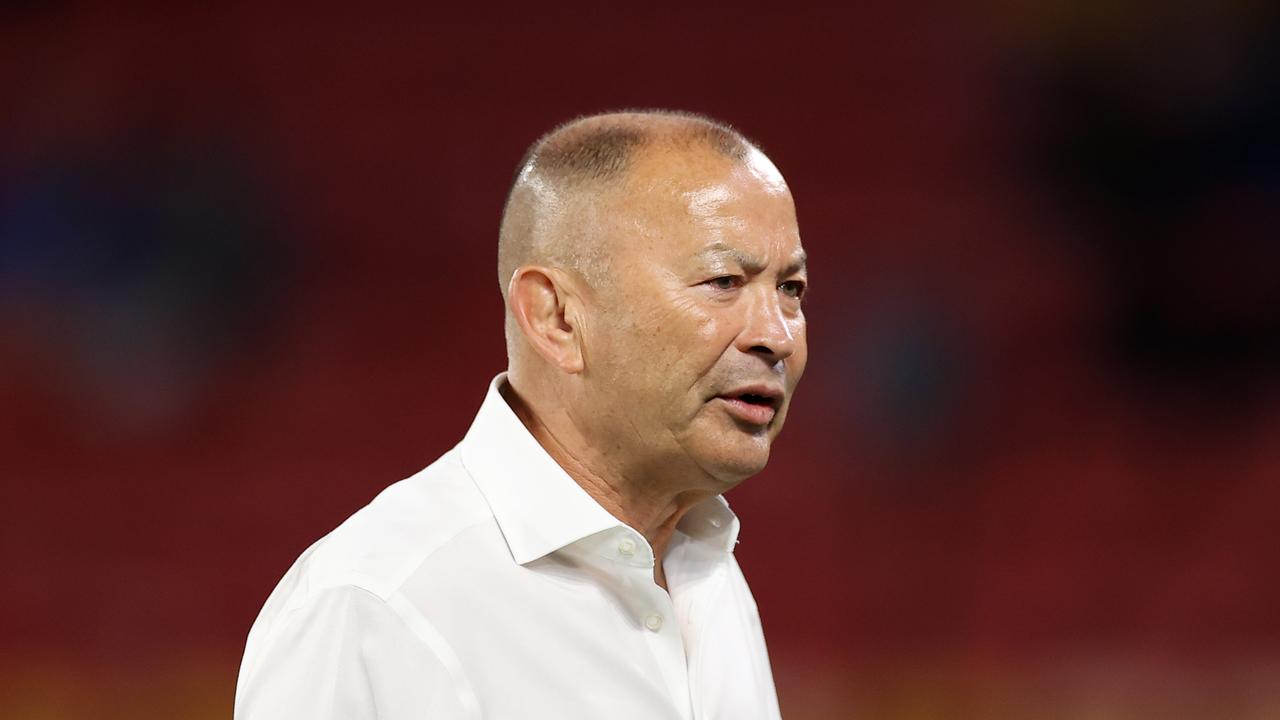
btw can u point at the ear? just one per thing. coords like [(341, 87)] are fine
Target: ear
[(545, 305)]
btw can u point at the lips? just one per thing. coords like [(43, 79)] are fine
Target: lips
[(753, 404)]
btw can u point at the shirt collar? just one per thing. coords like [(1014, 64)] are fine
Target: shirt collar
[(537, 506), (711, 521)]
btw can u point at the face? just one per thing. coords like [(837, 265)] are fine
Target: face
[(695, 338)]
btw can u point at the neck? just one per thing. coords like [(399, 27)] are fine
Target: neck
[(643, 503)]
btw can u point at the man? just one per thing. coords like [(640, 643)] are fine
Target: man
[(572, 557)]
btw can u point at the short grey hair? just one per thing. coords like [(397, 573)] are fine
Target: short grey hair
[(584, 156)]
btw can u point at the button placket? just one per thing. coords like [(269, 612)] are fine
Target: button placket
[(656, 620)]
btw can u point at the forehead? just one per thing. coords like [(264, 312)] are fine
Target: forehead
[(682, 203)]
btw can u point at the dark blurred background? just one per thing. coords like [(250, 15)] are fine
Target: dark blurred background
[(247, 279)]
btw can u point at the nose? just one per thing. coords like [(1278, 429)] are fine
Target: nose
[(767, 332)]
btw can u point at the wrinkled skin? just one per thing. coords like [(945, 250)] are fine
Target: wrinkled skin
[(702, 296)]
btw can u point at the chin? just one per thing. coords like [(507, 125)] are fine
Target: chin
[(733, 464), (727, 450)]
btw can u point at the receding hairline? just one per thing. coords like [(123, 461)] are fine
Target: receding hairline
[(580, 160), (602, 146)]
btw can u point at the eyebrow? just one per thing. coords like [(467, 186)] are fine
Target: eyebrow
[(797, 264)]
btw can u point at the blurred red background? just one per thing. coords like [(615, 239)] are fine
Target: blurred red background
[(1033, 470)]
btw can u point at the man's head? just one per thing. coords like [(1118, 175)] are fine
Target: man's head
[(653, 273)]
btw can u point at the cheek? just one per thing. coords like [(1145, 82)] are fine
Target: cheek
[(711, 331), (661, 336), (680, 325), (696, 338), (677, 345), (800, 331), (796, 363)]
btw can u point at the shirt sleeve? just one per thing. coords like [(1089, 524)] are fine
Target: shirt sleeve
[(346, 654)]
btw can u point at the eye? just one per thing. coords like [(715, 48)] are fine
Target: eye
[(724, 282), (793, 288)]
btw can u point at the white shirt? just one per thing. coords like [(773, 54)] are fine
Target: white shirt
[(490, 585)]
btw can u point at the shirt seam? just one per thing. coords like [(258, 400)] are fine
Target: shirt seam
[(451, 666)]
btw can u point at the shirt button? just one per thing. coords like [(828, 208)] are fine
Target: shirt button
[(627, 546), (653, 622)]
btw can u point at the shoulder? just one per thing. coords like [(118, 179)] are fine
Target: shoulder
[(346, 655), (381, 545), (355, 571)]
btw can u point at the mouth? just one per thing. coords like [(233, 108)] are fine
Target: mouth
[(755, 405)]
